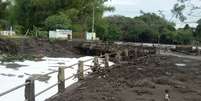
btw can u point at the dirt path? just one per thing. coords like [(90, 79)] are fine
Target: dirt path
[(142, 82)]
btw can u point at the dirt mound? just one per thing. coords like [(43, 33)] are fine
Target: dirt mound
[(140, 82), (39, 47)]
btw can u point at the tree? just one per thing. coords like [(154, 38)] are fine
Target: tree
[(58, 21), (184, 36), (186, 8), (197, 33), (178, 12), (155, 26), (145, 28), (29, 13), (122, 24), (3, 14), (3, 8)]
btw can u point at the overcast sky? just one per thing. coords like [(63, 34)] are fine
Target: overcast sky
[(131, 8)]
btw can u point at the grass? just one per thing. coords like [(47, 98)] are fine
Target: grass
[(12, 58), (12, 37)]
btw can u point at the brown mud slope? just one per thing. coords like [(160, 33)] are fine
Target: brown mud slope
[(39, 47), (142, 82)]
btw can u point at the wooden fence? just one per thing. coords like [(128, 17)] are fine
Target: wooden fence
[(29, 84)]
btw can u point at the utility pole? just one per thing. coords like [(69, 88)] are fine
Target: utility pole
[(93, 19), (159, 36)]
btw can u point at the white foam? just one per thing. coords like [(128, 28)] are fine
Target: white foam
[(180, 64), (37, 67)]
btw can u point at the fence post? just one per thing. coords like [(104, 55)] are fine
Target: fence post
[(61, 80), (80, 71), (126, 54), (136, 51), (96, 64), (118, 57), (30, 90), (142, 51), (106, 61), (198, 50), (158, 50), (158, 55)]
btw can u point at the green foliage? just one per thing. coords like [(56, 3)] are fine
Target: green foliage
[(60, 21), (168, 36), (38, 32), (18, 29), (101, 28), (184, 36), (3, 14), (36, 17), (148, 27), (3, 8), (30, 13), (197, 33), (113, 34), (43, 34), (145, 28), (178, 11)]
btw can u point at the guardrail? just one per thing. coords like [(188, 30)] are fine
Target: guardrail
[(30, 85)]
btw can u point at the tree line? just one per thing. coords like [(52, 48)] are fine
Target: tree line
[(150, 27), (29, 16), (37, 17)]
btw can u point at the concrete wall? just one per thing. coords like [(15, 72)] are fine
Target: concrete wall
[(7, 33), (61, 34)]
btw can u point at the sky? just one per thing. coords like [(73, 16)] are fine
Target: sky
[(131, 8)]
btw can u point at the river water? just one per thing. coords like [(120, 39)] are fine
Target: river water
[(13, 74)]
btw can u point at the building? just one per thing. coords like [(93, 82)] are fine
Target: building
[(61, 34), (90, 36)]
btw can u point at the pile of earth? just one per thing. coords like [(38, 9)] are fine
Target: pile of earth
[(33, 47), (141, 80)]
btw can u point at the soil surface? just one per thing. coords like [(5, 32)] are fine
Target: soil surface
[(39, 47), (141, 80)]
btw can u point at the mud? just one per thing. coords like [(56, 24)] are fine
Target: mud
[(140, 81), (32, 48)]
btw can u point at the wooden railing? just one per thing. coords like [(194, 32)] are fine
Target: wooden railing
[(30, 82)]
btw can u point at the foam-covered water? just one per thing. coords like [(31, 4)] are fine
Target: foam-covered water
[(12, 77)]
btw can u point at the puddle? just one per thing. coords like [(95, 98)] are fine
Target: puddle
[(180, 64)]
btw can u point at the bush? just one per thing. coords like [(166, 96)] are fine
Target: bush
[(19, 29), (43, 34), (59, 21)]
